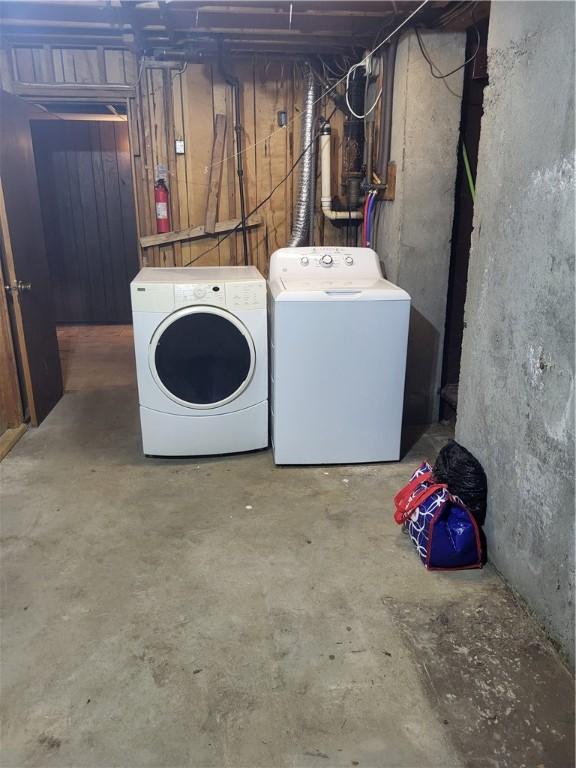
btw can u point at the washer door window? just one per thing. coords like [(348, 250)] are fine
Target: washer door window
[(202, 357)]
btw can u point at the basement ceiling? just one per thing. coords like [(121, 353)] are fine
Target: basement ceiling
[(194, 28)]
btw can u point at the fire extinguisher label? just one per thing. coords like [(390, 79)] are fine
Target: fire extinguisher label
[(161, 210)]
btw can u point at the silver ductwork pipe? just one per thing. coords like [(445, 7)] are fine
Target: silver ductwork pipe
[(301, 224)]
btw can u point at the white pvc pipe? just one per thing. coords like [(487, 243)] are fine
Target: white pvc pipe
[(326, 197)]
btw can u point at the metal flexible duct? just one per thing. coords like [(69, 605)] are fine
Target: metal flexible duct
[(302, 213)]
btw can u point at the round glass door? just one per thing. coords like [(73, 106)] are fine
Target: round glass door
[(202, 357)]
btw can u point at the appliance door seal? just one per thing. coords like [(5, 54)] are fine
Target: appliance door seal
[(202, 357)]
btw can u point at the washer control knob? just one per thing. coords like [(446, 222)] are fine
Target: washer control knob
[(349, 260), (327, 260), (304, 261), (199, 292)]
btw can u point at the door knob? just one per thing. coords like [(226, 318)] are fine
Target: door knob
[(18, 286)]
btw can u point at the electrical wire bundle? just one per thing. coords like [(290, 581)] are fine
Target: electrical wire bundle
[(351, 71), (337, 68)]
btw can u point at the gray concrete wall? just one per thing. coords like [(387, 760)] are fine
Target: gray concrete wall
[(516, 400), (414, 231)]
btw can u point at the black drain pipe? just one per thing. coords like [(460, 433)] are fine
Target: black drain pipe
[(388, 59), (235, 84)]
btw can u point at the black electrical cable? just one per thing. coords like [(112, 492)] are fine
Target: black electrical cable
[(433, 66), (257, 208)]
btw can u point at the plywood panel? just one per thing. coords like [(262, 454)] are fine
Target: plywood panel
[(244, 70), (85, 65), (24, 65), (42, 72), (68, 65), (272, 90), (198, 117), (58, 64), (130, 68), (114, 66), (222, 102), (6, 70)]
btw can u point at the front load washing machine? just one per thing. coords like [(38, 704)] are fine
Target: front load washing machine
[(200, 337), (338, 337)]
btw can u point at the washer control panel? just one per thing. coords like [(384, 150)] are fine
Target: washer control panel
[(199, 293), (327, 260), (344, 263), (249, 295), (164, 297)]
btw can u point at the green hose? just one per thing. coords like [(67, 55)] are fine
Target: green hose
[(468, 172)]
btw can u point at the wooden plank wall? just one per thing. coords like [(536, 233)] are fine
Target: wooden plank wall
[(172, 103), (80, 65), (85, 186), (175, 104)]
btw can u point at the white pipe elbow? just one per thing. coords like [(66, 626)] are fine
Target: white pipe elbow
[(326, 183), (339, 215)]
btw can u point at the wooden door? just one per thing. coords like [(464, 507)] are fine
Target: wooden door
[(25, 268), (85, 182)]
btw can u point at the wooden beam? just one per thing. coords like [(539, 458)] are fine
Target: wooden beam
[(82, 117), (216, 166), (62, 91), (196, 233), (75, 39)]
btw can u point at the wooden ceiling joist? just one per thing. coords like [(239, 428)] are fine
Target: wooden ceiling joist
[(265, 26)]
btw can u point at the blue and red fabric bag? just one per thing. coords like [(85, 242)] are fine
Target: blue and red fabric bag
[(443, 530)]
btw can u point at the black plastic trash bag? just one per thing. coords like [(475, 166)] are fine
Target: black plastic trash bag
[(464, 476)]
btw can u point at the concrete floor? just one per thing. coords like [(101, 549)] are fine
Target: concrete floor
[(227, 612)]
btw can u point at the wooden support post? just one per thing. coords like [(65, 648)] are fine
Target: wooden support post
[(231, 169), (390, 191), (216, 164)]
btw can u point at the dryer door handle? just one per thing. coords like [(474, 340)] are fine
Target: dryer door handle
[(343, 292)]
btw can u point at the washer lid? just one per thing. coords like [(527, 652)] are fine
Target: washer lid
[(334, 290)]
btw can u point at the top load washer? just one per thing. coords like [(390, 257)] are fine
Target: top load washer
[(200, 337), (338, 338)]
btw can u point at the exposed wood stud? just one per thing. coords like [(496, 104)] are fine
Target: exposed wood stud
[(216, 165), (390, 191)]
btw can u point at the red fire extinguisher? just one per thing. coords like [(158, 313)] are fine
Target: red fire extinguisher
[(161, 201)]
